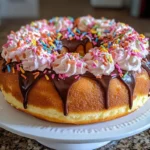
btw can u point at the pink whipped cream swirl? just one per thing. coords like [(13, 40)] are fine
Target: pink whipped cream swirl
[(35, 60), (60, 23), (99, 63), (69, 64), (105, 26), (86, 23)]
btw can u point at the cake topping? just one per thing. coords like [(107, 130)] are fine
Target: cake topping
[(69, 64), (61, 23), (104, 26), (127, 61), (39, 45), (32, 61), (99, 62), (85, 23)]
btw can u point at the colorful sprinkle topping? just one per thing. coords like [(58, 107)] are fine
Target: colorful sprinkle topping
[(37, 46)]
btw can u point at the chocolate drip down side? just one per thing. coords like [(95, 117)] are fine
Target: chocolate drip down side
[(105, 81), (128, 80), (62, 86), (102, 82), (26, 85)]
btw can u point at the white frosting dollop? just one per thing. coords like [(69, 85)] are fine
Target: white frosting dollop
[(120, 27), (11, 50), (99, 63), (69, 64), (85, 23), (127, 61), (61, 23), (39, 24), (32, 61), (105, 26), (41, 27), (132, 40), (139, 46)]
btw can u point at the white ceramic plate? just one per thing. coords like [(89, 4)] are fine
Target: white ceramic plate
[(28, 126)]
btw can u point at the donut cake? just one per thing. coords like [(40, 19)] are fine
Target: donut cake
[(78, 71)]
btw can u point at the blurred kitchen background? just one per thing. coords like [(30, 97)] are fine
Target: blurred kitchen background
[(14, 13)]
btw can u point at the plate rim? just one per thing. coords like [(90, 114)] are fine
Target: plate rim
[(73, 141), (139, 127)]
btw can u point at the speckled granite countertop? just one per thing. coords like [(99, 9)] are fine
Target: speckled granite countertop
[(9, 141)]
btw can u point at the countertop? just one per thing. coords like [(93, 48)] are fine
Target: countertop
[(10, 141)]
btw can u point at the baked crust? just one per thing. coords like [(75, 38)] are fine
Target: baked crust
[(85, 99)]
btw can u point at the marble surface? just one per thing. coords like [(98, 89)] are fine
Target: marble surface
[(10, 141)]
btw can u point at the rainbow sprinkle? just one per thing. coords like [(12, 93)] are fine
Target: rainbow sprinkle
[(22, 70), (46, 76), (24, 76), (8, 68)]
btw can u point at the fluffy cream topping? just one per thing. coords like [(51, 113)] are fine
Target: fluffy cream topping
[(37, 45)]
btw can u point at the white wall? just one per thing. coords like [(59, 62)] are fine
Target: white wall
[(19, 8), (110, 3)]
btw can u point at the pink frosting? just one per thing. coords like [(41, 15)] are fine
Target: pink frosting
[(85, 23), (27, 45), (60, 24), (99, 63), (32, 61), (69, 64)]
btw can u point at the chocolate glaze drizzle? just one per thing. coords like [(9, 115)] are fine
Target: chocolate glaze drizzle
[(63, 85), (128, 80), (73, 44), (26, 85)]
